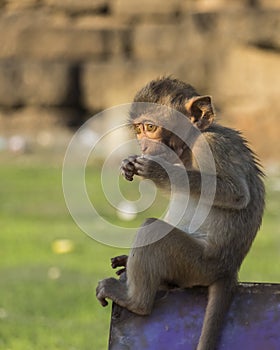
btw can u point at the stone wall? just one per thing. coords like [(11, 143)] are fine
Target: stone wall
[(63, 60)]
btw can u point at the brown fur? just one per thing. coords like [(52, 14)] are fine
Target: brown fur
[(179, 258)]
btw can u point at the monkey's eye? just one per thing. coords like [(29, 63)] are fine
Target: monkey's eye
[(150, 127), (137, 128)]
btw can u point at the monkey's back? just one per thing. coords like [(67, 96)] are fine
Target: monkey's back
[(233, 230)]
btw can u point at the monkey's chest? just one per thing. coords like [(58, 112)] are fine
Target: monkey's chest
[(188, 214)]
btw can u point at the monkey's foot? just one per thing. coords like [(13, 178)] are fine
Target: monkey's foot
[(107, 288), (119, 261), (101, 294)]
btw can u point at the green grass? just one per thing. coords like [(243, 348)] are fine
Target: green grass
[(40, 312), (37, 312), (263, 261)]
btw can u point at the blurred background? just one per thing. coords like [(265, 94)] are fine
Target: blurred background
[(62, 61)]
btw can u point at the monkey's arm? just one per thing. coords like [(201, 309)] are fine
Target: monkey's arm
[(230, 192)]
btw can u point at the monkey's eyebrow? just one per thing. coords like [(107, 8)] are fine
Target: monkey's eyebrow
[(147, 121)]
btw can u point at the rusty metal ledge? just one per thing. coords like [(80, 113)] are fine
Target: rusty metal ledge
[(253, 322)]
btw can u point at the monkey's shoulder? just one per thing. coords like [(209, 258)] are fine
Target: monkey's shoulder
[(227, 141), (222, 136), (230, 149)]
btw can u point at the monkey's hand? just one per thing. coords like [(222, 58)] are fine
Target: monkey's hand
[(128, 168), (153, 168), (119, 261)]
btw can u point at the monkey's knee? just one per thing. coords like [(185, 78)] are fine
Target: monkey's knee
[(151, 231), (147, 234), (148, 222), (156, 223)]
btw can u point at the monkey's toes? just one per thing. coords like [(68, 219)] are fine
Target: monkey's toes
[(103, 301), (119, 261), (121, 271), (100, 294)]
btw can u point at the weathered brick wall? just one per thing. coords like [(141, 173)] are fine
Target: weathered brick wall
[(63, 60)]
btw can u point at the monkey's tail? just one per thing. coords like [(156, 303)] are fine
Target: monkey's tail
[(220, 295)]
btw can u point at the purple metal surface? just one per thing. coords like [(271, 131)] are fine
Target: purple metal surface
[(253, 321)]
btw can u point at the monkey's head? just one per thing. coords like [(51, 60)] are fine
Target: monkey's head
[(149, 121)]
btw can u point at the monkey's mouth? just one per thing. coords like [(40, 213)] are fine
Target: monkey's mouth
[(169, 156)]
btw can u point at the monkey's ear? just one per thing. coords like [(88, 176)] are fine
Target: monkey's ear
[(200, 111)]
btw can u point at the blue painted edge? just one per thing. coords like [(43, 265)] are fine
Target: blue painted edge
[(253, 321)]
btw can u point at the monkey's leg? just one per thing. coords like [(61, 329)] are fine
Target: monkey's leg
[(137, 295), (137, 292), (177, 258), (149, 265), (184, 260)]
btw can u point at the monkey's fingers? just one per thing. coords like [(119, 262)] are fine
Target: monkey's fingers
[(127, 175), (138, 165), (132, 159), (141, 165), (119, 261), (127, 165), (127, 170)]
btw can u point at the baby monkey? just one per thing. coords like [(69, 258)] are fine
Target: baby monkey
[(168, 253)]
